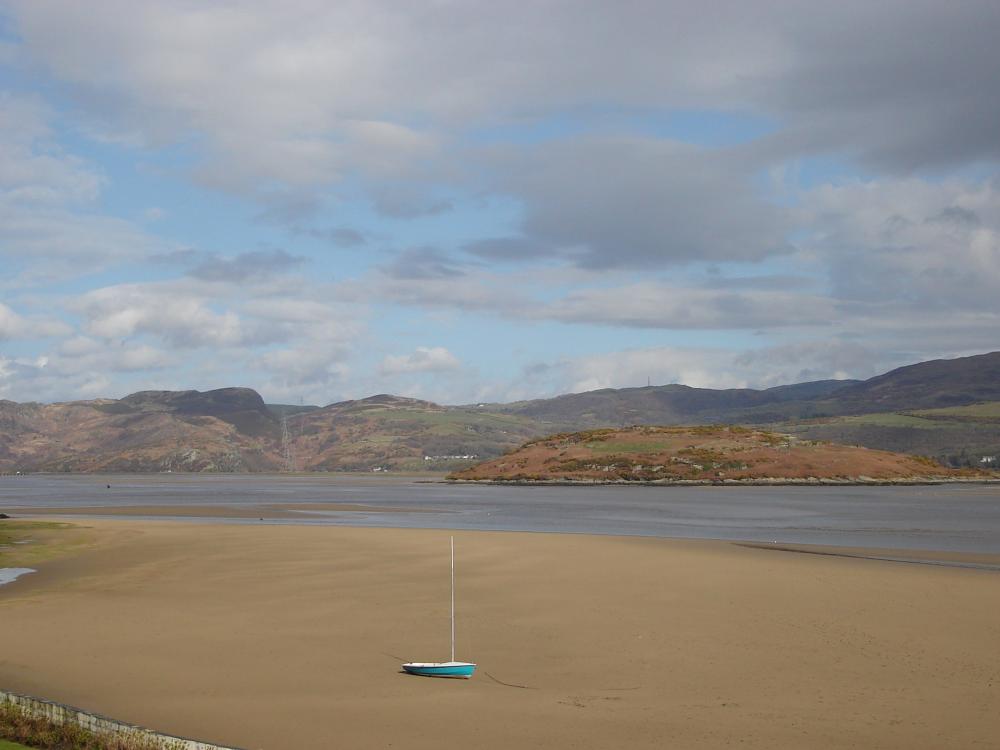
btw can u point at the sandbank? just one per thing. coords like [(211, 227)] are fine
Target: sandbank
[(282, 637)]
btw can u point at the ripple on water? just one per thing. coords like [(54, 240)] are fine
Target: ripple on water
[(9, 575)]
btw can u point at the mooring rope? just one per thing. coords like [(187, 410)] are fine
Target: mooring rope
[(508, 684)]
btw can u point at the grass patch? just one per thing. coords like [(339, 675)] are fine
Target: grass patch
[(890, 420), (5, 745), (17, 726), (881, 419), (624, 446), (25, 543), (987, 410)]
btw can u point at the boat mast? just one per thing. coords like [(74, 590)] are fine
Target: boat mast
[(453, 598)]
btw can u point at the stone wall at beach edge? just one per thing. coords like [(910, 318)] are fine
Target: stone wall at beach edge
[(59, 713)]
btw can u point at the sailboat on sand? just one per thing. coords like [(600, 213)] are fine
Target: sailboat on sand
[(444, 668)]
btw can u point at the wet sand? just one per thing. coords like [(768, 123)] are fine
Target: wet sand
[(283, 637)]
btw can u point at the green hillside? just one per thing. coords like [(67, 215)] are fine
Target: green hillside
[(957, 436)]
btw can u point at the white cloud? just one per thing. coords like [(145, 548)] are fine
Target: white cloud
[(699, 368), (24, 379), (703, 367), (33, 170), (310, 372), (909, 243), (485, 292), (805, 361), (79, 352), (161, 309), (670, 306), (16, 326), (194, 313), (47, 231), (298, 91), (557, 116), (423, 359)]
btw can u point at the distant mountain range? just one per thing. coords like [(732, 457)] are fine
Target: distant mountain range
[(927, 385), (948, 409)]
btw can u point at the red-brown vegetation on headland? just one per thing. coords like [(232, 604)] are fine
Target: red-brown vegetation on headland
[(702, 454)]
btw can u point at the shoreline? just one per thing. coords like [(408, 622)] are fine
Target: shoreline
[(764, 482), (442, 478), (978, 560)]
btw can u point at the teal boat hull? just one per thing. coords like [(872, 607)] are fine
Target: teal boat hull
[(442, 669)]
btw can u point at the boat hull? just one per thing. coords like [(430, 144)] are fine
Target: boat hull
[(441, 669)]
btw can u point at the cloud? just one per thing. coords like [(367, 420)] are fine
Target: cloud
[(433, 287), (280, 205), (164, 310), (16, 326), (47, 228), (507, 249), (666, 306), (190, 314), (389, 149), (246, 265), (306, 370), (911, 93), (806, 361), (639, 203), (700, 368), (82, 352), (285, 337), (423, 359), (79, 367), (33, 171), (34, 380), (908, 245), (551, 136), (339, 236), (422, 263), (300, 92), (704, 367), (47, 245), (407, 201), (271, 98), (777, 282), (183, 256), (315, 340)]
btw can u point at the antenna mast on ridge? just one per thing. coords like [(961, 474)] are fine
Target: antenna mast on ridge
[(286, 445)]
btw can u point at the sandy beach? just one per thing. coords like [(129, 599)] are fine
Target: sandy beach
[(280, 637)]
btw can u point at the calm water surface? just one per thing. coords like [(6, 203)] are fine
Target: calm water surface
[(951, 517)]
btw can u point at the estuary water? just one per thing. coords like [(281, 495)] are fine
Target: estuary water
[(957, 518)]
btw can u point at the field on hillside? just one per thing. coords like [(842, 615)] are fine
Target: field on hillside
[(959, 436)]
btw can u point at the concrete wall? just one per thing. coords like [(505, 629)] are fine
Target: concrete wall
[(58, 713)]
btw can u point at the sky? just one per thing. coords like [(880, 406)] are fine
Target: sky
[(480, 201)]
